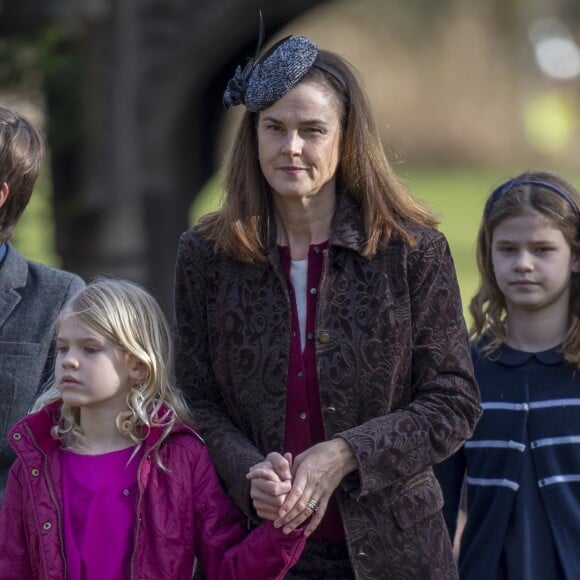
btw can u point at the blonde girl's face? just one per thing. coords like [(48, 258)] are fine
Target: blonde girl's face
[(92, 372), (532, 263)]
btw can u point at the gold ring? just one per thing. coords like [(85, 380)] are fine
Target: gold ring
[(313, 505)]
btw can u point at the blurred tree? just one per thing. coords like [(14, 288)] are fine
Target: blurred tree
[(133, 89), (133, 103)]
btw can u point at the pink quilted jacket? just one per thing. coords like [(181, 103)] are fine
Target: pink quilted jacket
[(181, 515)]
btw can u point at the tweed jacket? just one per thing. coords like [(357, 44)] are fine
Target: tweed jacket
[(182, 514), (394, 369), (31, 296)]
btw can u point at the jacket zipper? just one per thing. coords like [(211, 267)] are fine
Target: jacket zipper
[(145, 457), (52, 497)]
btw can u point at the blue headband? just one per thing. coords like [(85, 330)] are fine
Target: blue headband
[(505, 187)]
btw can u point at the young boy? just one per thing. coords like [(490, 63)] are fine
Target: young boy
[(31, 294)]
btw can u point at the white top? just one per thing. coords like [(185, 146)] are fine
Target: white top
[(299, 275)]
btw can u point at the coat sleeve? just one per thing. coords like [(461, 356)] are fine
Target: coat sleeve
[(14, 556), (451, 475), (223, 546), (442, 403), (195, 376)]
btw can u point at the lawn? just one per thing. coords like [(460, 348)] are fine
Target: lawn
[(457, 195), (34, 234)]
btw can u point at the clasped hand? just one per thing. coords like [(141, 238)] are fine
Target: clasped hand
[(289, 490)]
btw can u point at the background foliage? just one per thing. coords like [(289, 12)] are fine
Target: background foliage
[(457, 195)]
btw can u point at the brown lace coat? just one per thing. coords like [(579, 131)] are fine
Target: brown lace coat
[(395, 376)]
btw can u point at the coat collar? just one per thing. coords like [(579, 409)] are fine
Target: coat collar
[(348, 229), (13, 270), (13, 276), (512, 357), (41, 422), (39, 425)]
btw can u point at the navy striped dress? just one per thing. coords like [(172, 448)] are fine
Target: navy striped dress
[(521, 471)]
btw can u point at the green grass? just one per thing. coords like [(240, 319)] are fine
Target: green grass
[(456, 194), (34, 234), (458, 197)]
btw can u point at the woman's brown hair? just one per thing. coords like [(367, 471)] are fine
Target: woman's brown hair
[(241, 228)]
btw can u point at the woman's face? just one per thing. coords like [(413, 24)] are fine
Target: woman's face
[(299, 142)]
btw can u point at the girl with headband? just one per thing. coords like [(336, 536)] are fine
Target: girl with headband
[(319, 330), (522, 466)]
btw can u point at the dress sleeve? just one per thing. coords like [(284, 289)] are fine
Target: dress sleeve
[(223, 546), (232, 452), (443, 403), (14, 556)]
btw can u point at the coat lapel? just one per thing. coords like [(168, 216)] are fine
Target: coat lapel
[(13, 273)]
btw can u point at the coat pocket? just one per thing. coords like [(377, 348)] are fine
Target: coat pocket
[(21, 366), (421, 498)]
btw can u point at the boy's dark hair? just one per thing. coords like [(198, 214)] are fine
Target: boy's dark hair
[(21, 151)]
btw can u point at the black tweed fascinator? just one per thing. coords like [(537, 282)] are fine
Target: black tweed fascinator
[(262, 81)]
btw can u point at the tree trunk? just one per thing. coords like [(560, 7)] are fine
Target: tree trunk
[(143, 125)]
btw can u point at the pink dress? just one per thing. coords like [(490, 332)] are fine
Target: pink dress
[(99, 500)]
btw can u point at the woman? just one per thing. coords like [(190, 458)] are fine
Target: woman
[(319, 323)]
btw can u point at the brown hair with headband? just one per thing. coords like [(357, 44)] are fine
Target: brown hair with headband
[(532, 192)]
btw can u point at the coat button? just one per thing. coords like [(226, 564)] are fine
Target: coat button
[(17, 437), (35, 473), (46, 526), (324, 337), (330, 411), (361, 556)]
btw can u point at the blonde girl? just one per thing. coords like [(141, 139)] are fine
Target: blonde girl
[(110, 480), (522, 465)]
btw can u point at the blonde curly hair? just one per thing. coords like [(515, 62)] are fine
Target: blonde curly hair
[(127, 315)]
